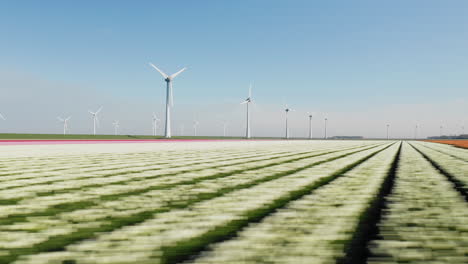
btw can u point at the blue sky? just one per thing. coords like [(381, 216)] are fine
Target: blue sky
[(361, 63)]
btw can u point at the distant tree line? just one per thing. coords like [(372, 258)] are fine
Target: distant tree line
[(464, 136)]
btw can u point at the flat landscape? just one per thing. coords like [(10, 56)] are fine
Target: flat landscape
[(234, 202), (462, 143)]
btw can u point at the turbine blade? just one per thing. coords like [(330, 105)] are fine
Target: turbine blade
[(68, 118), (99, 110), (244, 102), (250, 90), (91, 112), (60, 119), (2, 117), (177, 73), (161, 72)]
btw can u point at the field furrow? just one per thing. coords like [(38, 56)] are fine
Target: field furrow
[(318, 228), (425, 221), (176, 232)]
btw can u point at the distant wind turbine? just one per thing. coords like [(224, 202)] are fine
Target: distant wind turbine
[(169, 97), (247, 102), (287, 110), (95, 119), (116, 125), (155, 124), (310, 125), (326, 120), (65, 123), (416, 131), (195, 125), (225, 123), (387, 130)]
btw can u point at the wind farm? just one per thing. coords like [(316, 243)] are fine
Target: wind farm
[(366, 163)]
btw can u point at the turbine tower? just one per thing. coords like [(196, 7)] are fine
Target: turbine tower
[(225, 123), (416, 131), (95, 119), (169, 98), (195, 124), (65, 123), (310, 125), (116, 125), (387, 130), (326, 120), (287, 109), (247, 102), (155, 124)]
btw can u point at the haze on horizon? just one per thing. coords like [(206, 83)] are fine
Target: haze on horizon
[(361, 64)]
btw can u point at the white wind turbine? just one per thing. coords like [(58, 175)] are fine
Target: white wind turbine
[(116, 125), (326, 121), (169, 97), (225, 123), (195, 125), (247, 102), (287, 110), (65, 123), (95, 119), (155, 124), (310, 125)]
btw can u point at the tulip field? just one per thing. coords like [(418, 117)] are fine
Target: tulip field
[(271, 201)]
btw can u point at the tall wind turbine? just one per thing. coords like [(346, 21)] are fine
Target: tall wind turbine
[(326, 120), (225, 123), (387, 130), (169, 97), (65, 123), (116, 125), (310, 125), (247, 102), (195, 125), (155, 124), (95, 119), (287, 109)]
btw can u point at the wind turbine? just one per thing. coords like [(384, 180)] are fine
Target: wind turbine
[(247, 102), (387, 130), (65, 123), (155, 124), (287, 109), (169, 97), (310, 125), (95, 119), (116, 125), (326, 120), (416, 131), (195, 124), (225, 123)]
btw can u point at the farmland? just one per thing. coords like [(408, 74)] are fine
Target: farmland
[(462, 143), (234, 202)]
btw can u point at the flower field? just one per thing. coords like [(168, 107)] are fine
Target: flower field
[(234, 202)]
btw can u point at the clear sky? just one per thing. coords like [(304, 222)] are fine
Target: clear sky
[(362, 64)]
